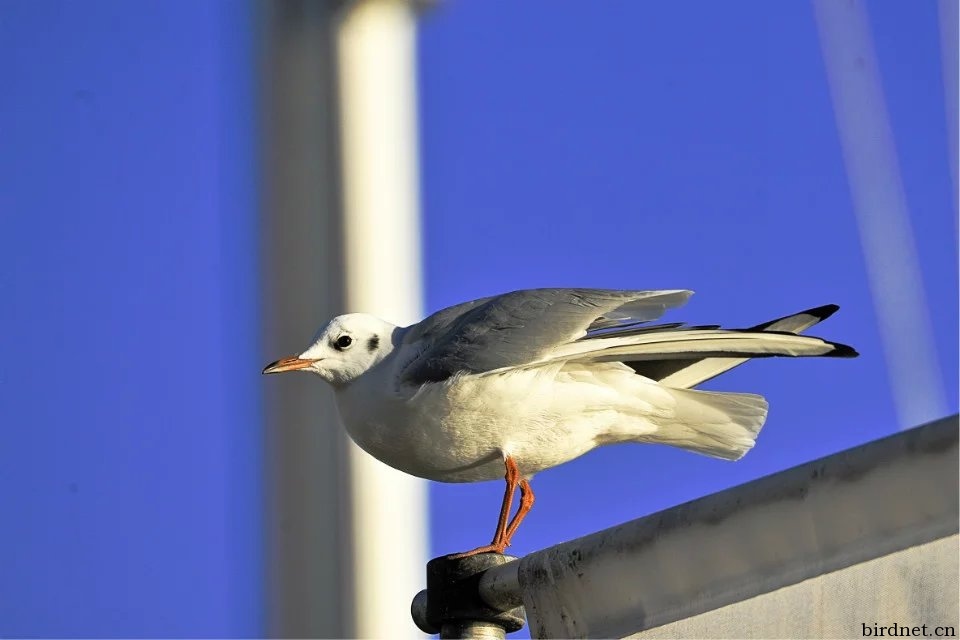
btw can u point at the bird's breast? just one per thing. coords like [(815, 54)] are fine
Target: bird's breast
[(448, 431), (396, 430), (460, 429)]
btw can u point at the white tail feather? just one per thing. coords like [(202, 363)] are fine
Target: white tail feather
[(721, 425)]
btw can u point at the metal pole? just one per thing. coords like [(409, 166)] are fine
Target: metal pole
[(818, 519), (376, 60), (309, 568)]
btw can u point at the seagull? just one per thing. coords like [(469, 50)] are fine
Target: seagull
[(511, 385)]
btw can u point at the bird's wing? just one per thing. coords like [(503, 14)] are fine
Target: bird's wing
[(439, 323), (681, 373), (693, 344), (521, 327)]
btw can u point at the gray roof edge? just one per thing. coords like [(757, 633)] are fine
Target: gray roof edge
[(855, 505)]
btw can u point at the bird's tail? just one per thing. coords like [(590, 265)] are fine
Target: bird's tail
[(721, 425)]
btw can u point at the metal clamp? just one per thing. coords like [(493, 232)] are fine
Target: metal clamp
[(453, 604)]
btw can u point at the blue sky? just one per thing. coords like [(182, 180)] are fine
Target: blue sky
[(620, 144), (131, 440)]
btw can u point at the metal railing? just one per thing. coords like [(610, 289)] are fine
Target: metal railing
[(848, 508)]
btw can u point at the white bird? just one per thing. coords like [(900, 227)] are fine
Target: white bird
[(528, 380)]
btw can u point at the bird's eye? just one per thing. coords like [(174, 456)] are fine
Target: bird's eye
[(343, 342)]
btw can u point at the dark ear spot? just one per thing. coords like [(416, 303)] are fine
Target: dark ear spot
[(373, 343)]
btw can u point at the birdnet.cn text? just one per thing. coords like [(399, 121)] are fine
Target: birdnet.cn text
[(877, 630)]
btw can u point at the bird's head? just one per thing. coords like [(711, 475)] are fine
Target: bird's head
[(343, 350)]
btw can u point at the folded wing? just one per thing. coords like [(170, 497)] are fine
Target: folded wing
[(522, 327)]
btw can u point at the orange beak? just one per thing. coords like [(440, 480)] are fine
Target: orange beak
[(293, 363)]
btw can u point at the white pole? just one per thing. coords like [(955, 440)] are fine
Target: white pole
[(880, 205), (377, 45)]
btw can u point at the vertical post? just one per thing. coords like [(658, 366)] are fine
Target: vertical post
[(376, 44), (880, 206), (309, 565), (341, 227)]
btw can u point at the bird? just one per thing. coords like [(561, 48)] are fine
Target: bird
[(511, 385)]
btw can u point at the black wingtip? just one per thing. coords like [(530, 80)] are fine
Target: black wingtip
[(824, 312), (843, 351), (820, 313)]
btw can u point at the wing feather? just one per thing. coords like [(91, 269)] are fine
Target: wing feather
[(686, 374), (719, 343), (521, 327)]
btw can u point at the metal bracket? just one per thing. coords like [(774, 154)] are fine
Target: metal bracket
[(452, 604)]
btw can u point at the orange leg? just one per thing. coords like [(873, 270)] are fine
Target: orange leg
[(526, 503), (504, 532)]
